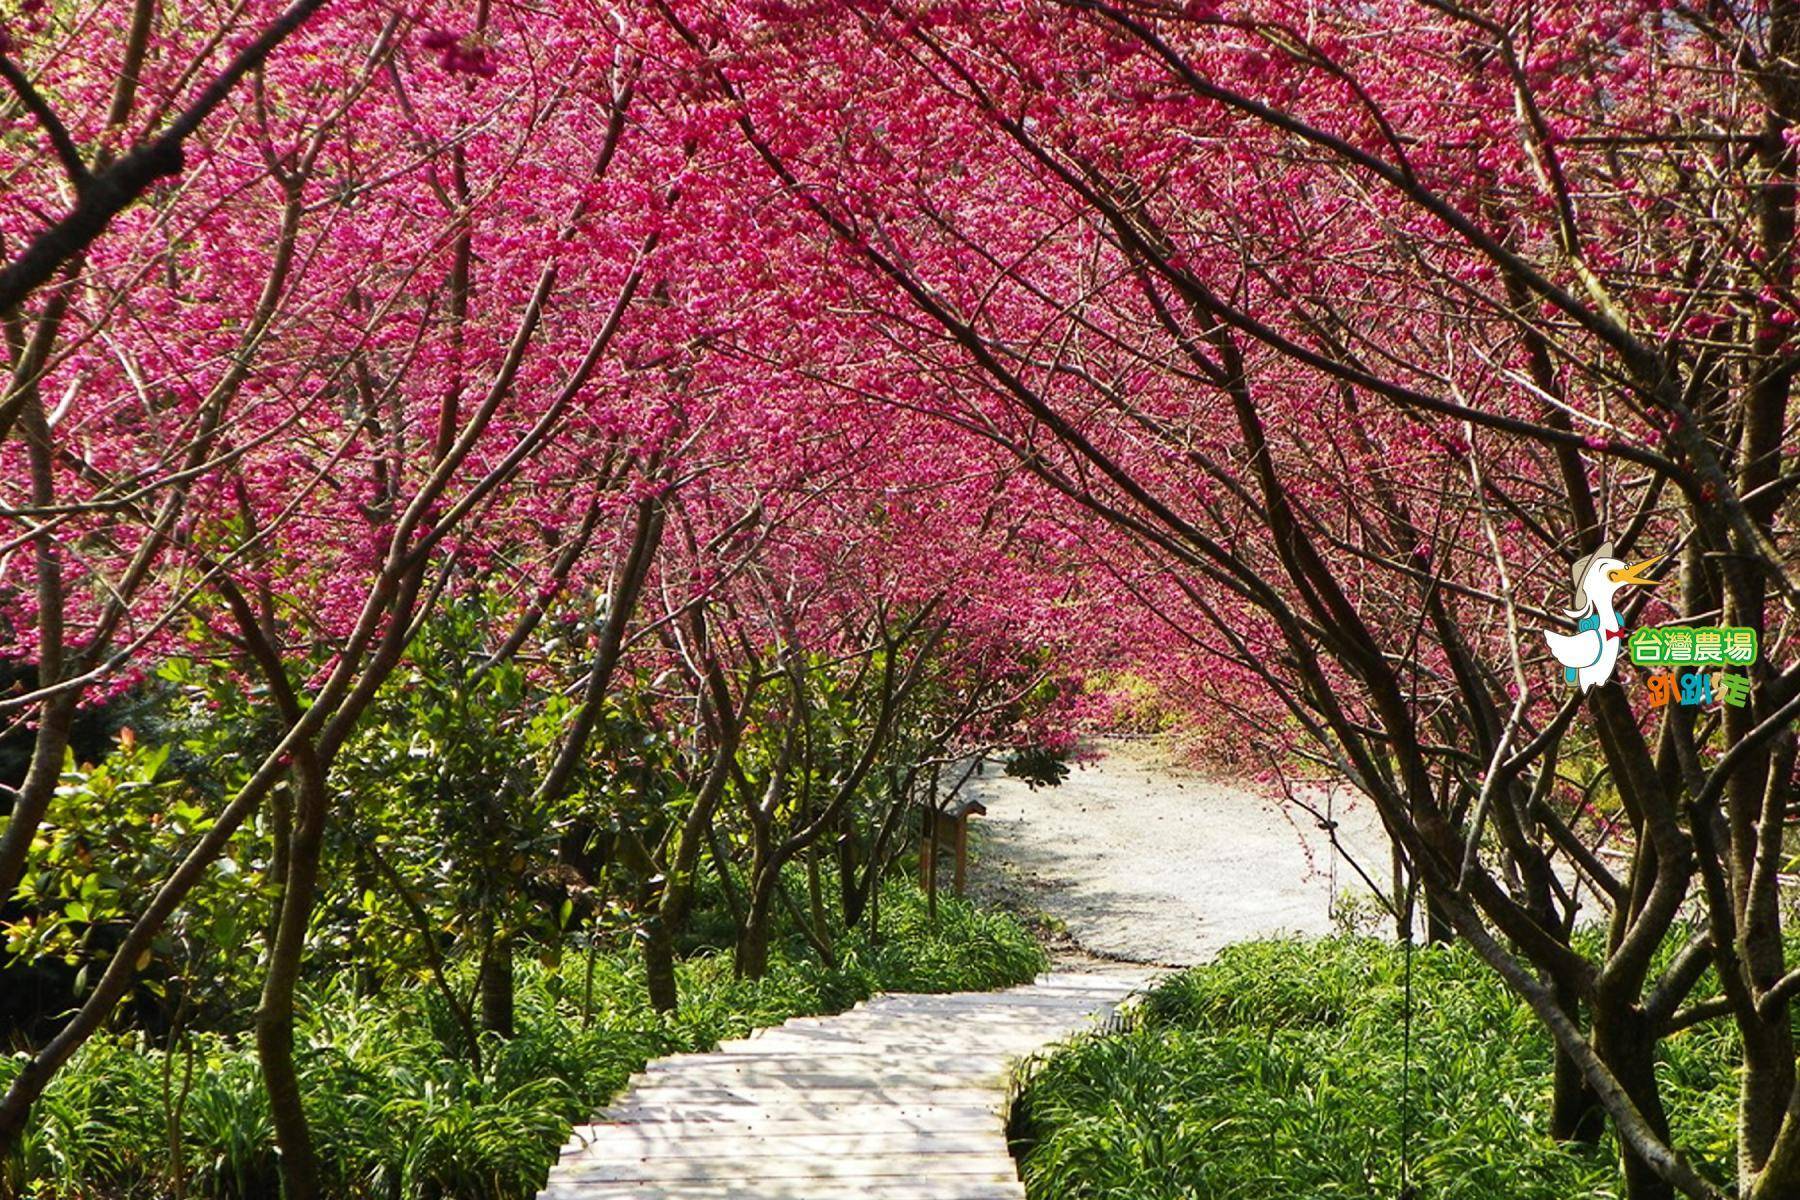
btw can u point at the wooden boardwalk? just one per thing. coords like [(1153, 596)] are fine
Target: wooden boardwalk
[(899, 1098)]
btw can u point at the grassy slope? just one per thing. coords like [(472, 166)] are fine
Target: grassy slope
[(396, 1117), (1277, 1071)]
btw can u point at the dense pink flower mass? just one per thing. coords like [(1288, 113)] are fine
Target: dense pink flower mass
[(852, 258), (857, 259), (510, 249), (1261, 363)]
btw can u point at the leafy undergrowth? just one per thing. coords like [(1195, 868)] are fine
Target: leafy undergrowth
[(1276, 1072), (397, 1117)]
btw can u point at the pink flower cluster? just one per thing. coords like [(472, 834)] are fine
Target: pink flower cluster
[(460, 53)]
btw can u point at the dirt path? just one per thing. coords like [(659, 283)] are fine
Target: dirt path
[(1149, 863)]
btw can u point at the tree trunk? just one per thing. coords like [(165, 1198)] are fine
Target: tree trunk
[(1626, 1043), (734, 905), (753, 947), (815, 896), (875, 914), (1764, 1095), (281, 827), (35, 792), (659, 964), (497, 987), (55, 719), (275, 1012), (1766, 1089), (1575, 1111), (851, 896), (1438, 930)]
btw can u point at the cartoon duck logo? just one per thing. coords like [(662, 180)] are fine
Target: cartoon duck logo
[(1589, 654)]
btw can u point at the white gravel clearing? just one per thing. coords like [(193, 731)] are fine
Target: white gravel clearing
[(1151, 863)]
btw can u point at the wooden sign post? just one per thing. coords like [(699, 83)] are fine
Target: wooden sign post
[(946, 825)]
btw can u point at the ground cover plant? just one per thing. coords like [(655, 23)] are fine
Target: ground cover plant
[(1282, 1069)]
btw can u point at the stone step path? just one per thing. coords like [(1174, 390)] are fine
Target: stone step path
[(900, 1098)]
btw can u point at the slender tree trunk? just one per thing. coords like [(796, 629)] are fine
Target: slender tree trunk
[(1763, 1093), (818, 939), (875, 914), (1766, 1088), (859, 884), (587, 978), (715, 850), (1438, 930), (281, 828), (1626, 1043), (497, 986), (645, 538), (275, 1012), (753, 946), (937, 848), (57, 716), (851, 896), (815, 896), (752, 958), (1575, 1111), (659, 964), (698, 832), (863, 899), (931, 878)]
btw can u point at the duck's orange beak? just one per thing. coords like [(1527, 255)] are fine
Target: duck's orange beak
[(1635, 573)]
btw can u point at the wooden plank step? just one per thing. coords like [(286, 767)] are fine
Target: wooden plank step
[(792, 1189), (808, 1062), (637, 1141), (826, 1075), (719, 1094), (993, 1165), (826, 1115), (910, 1015), (871, 1033), (961, 1003), (972, 1028), (927, 1024)]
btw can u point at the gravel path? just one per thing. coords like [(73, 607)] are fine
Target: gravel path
[(1146, 862)]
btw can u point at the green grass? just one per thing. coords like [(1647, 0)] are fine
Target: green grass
[(1276, 1074), (397, 1117)]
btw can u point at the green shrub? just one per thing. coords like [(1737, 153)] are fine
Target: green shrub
[(1277, 1072), (397, 1117)]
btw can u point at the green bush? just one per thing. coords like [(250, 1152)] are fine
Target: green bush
[(1277, 1072), (397, 1117)]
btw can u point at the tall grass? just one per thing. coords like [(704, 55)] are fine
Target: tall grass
[(1278, 1073), (396, 1116)]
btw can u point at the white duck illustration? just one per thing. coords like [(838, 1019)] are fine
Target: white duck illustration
[(1589, 654)]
